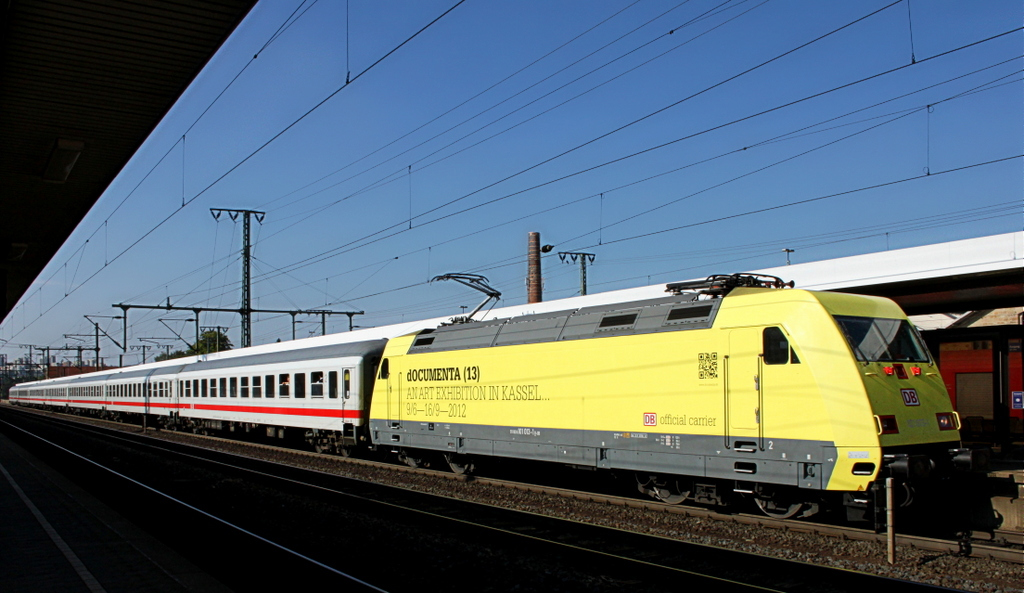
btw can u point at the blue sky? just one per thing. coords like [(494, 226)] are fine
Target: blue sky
[(624, 129)]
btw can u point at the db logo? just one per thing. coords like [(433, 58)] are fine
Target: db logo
[(910, 397), (650, 419)]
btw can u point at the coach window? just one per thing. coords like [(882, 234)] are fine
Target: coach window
[(300, 384), (223, 387), (234, 386), (257, 390), (283, 383), (332, 384), (213, 388), (268, 386), (316, 384), (245, 386)]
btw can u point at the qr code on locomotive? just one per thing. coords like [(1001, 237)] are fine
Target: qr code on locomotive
[(707, 365)]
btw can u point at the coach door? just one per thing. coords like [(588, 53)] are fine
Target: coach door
[(743, 390)]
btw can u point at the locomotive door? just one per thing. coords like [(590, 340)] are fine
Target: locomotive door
[(394, 393), (743, 395)]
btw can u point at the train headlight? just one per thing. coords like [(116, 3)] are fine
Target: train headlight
[(947, 421)]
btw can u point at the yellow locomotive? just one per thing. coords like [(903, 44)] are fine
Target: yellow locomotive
[(728, 386)]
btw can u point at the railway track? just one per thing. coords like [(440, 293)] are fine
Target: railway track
[(1004, 546), (426, 479)]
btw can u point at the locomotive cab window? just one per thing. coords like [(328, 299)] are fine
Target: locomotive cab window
[(776, 346), (882, 340)]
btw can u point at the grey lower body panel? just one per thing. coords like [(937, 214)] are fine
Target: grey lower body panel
[(790, 462)]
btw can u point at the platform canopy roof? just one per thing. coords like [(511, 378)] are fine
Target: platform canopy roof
[(82, 84), (968, 275), (952, 277)]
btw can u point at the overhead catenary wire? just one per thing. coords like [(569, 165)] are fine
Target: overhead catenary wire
[(470, 226), (376, 236), (503, 101), (391, 177), (734, 216), (370, 238), (678, 27), (460, 105), (764, 142), (181, 139), (253, 153)]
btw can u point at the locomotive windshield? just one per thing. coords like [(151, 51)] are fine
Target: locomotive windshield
[(882, 340)]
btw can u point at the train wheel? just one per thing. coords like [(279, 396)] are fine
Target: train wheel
[(410, 460), (778, 510), (460, 464), (667, 490), (346, 451)]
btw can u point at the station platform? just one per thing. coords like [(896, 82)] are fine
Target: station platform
[(56, 537), (1009, 500)]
